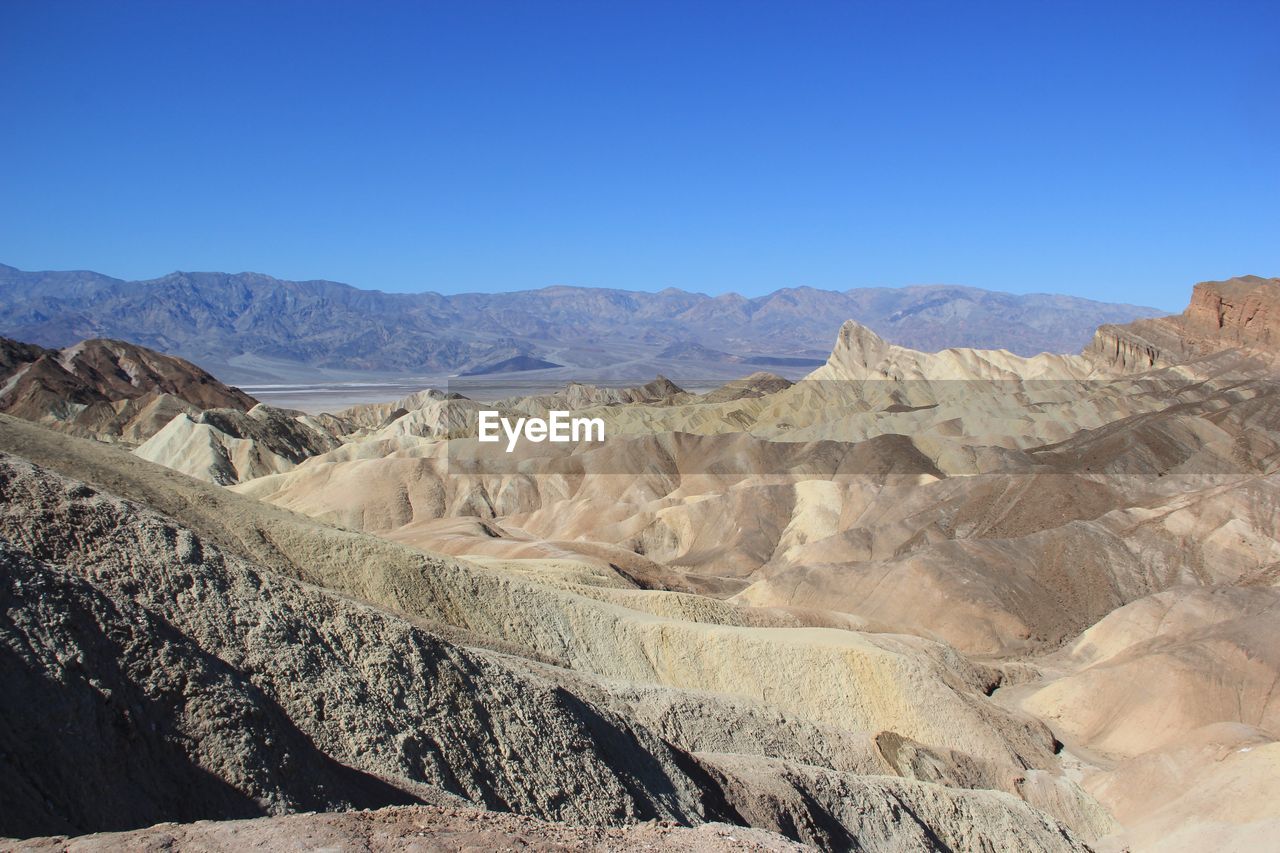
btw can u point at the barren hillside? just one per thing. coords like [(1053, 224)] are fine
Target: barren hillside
[(952, 600)]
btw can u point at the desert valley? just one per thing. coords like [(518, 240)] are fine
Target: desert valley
[(885, 599), (632, 426)]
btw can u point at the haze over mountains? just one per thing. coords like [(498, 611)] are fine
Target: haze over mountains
[(251, 328)]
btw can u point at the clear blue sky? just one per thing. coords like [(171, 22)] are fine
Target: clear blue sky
[(1114, 150)]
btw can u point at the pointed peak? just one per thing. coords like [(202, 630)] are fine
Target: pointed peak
[(852, 330)]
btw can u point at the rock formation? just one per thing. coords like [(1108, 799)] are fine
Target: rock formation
[(1239, 313), (368, 707), (429, 827), (107, 389), (226, 446), (954, 600)]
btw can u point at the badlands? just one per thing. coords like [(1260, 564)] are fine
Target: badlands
[(964, 600)]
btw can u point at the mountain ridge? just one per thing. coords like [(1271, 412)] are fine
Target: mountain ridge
[(250, 326)]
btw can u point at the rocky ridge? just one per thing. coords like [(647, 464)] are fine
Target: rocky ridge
[(107, 389), (1239, 313), (226, 446)]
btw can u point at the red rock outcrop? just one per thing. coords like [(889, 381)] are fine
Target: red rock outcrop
[(1242, 311), (1239, 313)]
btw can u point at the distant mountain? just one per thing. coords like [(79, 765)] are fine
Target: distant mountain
[(250, 327), (517, 364)]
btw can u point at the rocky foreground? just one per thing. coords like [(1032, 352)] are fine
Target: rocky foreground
[(415, 828), (185, 681)]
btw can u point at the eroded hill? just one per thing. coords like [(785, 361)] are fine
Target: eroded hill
[(952, 600)]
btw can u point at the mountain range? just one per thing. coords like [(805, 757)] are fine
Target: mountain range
[(249, 327)]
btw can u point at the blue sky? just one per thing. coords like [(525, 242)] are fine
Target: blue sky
[(1119, 151)]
